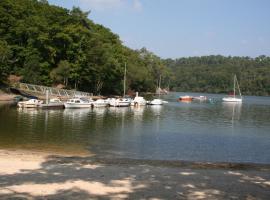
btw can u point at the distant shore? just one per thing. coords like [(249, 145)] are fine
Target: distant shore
[(43, 175)]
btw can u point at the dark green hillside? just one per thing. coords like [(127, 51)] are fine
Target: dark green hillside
[(215, 74), (50, 45)]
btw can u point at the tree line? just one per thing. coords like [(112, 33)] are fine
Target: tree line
[(214, 74)]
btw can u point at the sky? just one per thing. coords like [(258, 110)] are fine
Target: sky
[(184, 28)]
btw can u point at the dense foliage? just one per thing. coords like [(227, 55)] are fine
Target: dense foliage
[(215, 74), (50, 45)]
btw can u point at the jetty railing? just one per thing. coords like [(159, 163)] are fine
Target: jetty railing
[(39, 89)]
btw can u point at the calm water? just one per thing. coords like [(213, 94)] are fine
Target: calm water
[(176, 131)]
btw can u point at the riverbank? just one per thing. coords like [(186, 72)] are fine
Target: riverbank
[(6, 96), (39, 175)]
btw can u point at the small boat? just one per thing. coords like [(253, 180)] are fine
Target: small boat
[(79, 103), (119, 102), (156, 102), (101, 103), (200, 98), (53, 103), (233, 97), (186, 98), (32, 103), (138, 101)]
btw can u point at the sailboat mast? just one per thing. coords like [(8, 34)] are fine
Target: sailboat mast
[(125, 79), (234, 85), (159, 86)]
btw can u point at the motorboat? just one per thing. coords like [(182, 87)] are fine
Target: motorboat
[(186, 98), (53, 103), (31, 103), (156, 102), (101, 103), (79, 103), (119, 102), (200, 98), (138, 101), (233, 97)]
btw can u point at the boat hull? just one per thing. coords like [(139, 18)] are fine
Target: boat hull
[(231, 99), (156, 102), (78, 105)]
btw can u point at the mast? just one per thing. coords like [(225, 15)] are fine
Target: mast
[(125, 79), (234, 79), (159, 86), (238, 88)]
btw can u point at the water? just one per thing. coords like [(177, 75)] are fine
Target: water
[(197, 131)]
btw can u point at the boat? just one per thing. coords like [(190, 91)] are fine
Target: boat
[(123, 101), (186, 98), (53, 103), (31, 103), (79, 103), (119, 102), (200, 98), (138, 101), (233, 97), (101, 103), (157, 101)]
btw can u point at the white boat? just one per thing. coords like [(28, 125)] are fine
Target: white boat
[(157, 101), (32, 103), (78, 103), (53, 103), (200, 98), (138, 101), (234, 98), (119, 102), (101, 103)]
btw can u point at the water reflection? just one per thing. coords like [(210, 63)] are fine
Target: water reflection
[(232, 110), (195, 131), (138, 112)]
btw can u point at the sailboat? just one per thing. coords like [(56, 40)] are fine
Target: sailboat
[(121, 102), (234, 98), (157, 101)]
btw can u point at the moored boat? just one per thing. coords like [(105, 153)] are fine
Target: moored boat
[(156, 102), (101, 103), (78, 103), (53, 103), (138, 101), (200, 98), (119, 102), (186, 98), (233, 97), (32, 103)]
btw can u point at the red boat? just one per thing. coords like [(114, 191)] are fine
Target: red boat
[(186, 98)]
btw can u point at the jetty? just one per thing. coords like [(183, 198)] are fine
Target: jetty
[(31, 90)]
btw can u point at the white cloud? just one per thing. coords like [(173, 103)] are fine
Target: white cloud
[(137, 5), (101, 4)]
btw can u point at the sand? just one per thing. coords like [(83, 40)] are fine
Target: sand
[(38, 175)]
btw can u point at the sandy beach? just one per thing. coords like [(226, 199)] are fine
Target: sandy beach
[(38, 175)]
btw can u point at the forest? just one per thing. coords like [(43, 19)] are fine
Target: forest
[(214, 74), (49, 45)]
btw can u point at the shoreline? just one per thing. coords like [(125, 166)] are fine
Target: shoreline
[(43, 175)]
